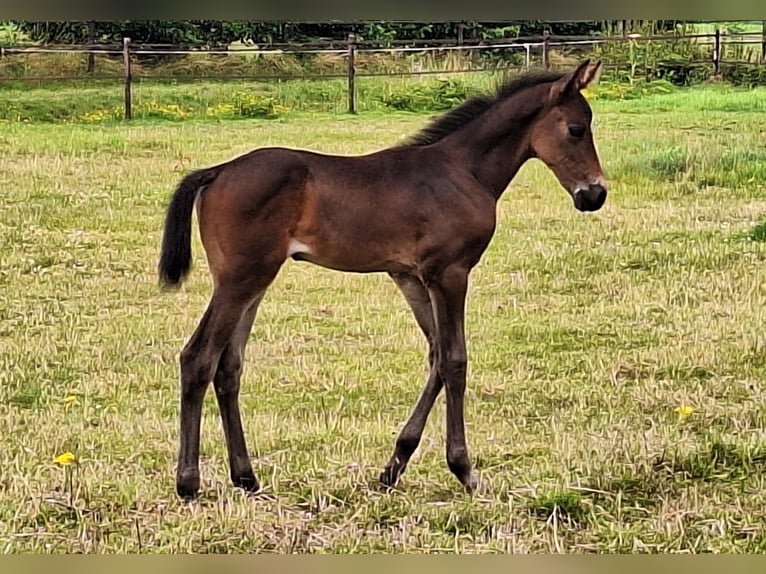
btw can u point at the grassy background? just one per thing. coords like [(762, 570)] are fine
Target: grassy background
[(77, 102), (585, 333)]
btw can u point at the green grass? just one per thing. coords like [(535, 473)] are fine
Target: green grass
[(585, 332), (99, 102), (103, 102)]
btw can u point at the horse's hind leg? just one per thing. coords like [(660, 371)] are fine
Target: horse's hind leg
[(200, 360), (409, 437), (226, 383)]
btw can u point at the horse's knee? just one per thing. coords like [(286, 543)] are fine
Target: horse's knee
[(195, 371), (228, 372), (453, 369)]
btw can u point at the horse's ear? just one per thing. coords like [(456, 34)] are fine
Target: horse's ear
[(592, 74), (579, 79)]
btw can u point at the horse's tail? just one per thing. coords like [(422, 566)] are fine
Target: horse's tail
[(175, 256)]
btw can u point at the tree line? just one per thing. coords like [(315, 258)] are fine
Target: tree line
[(218, 33)]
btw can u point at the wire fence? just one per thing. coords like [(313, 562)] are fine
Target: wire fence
[(127, 63)]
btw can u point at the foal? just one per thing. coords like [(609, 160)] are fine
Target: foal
[(423, 212)]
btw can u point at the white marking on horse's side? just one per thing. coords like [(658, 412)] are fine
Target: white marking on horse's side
[(296, 246)]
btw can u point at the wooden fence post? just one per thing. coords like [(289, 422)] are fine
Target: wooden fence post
[(128, 78), (717, 53), (763, 41), (460, 28), (91, 41), (546, 55), (351, 73)]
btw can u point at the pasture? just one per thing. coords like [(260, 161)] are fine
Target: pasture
[(616, 396)]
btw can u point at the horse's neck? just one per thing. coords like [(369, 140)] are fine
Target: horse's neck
[(496, 145)]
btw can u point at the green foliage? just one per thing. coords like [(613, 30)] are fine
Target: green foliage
[(171, 103), (630, 90), (255, 106), (617, 27), (214, 32), (437, 95), (744, 74), (758, 232), (732, 167), (247, 105), (680, 61), (670, 163), (721, 461), (567, 506), (10, 35), (199, 32), (103, 101), (681, 70), (499, 32)]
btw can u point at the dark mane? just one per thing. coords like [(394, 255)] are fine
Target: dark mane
[(472, 108)]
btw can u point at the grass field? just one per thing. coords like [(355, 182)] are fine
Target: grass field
[(616, 398)]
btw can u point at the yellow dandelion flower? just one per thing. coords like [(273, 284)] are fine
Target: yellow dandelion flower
[(65, 459), (70, 399), (684, 411)]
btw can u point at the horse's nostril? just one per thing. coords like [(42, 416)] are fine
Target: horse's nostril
[(597, 192), (590, 198)]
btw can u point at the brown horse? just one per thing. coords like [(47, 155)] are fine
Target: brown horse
[(423, 212)]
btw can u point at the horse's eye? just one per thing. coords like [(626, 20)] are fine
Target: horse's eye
[(576, 130)]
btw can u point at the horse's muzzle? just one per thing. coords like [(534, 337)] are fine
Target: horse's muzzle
[(590, 199)]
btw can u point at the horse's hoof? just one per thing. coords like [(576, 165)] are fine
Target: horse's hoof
[(246, 482), (187, 484), (187, 491), (388, 478), (480, 487), (473, 485)]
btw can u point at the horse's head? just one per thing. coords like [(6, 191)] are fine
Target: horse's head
[(561, 137)]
